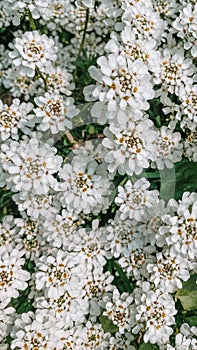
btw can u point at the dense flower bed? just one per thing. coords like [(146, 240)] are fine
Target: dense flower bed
[(98, 129)]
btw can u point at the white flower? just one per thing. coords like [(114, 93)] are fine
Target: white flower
[(168, 8), (59, 80), (36, 7), (55, 112), (135, 262), (186, 23), (133, 49), (97, 285), (154, 314), (15, 117), (175, 71), (134, 199), (31, 166), (122, 341), (6, 320), (57, 273), (118, 310), (12, 277), (21, 86), (188, 109), (183, 232), (59, 231), (168, 148), (82, 189), (121, 84), (168, 271), (130, 146), (145, 22), (32, 51), (89, 246), (40, 206), (68, 307), (30, 236), (122, 236), (34, 330), (8, 232), (190, 146)]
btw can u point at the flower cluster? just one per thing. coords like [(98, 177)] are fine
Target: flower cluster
[(98, 118)]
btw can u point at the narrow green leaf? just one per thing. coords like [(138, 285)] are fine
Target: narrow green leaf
[(146, 346), (123, 277)]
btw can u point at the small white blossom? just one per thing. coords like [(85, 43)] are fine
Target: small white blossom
[(58, 273), (190, 146), (32, 52), (37, 206), (154, 314), (168, 148), (130, 146), (12, 277), (31, 166), (133, 49), (122, 236), (144, 21), (134, 199), (168, 271), (14, 118), (118, 310), (135, 262), (121, 84), (82, 189), (34, 330), (55, 112), (175, 71)]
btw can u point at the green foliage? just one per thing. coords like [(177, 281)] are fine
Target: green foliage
[(22, 304), (148, 346), (81, 74), (188, 294), (7, 206), (122, 282), (107, 324), (186, 179)]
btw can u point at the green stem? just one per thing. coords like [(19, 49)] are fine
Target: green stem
[(31, 21), (84, 33), (39, 73)]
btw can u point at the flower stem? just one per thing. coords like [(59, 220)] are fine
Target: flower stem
[(39, 73), (84, 33), (31, 21)]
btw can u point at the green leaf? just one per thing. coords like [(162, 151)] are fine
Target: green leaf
[(188, 294), (146, 346), (123, 277), (192, 321), (107, 324), (167, 183)]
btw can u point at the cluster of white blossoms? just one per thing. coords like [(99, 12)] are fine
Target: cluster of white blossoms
[(93, 253)]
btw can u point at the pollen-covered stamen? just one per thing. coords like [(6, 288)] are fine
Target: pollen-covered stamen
[(58, 9), (171, 70), (34, 166), (133, 51), (126, 82), (58, 275), (145, 23), (132, 140), (34, 50), (55, 107), (83, 182), (166, 268), (8, 118)]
